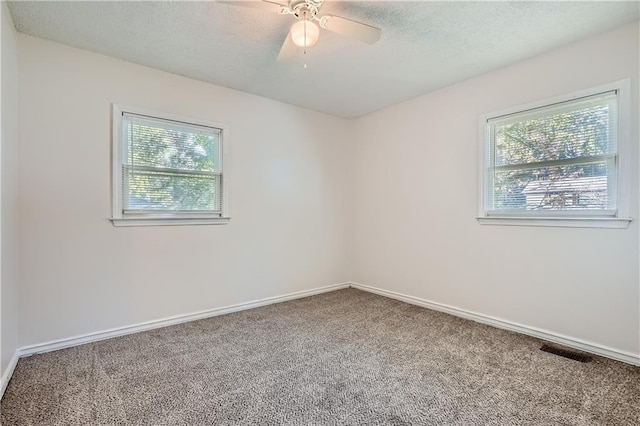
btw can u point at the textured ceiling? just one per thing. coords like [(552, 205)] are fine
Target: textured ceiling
[(424, 45)]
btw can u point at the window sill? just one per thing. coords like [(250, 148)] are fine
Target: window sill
[(564, 222), (169, 221)]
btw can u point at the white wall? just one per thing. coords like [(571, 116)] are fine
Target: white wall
[(290, 200), (9, 186), (412, 228), (416, 192)]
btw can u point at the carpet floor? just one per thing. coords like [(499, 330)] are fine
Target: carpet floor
[(340, 358)]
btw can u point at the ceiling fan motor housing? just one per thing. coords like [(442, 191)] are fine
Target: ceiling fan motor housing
[(299, 7)]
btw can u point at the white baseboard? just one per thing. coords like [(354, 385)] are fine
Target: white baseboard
[(550, 336), (164, 322), (8, 372), (178, 319)]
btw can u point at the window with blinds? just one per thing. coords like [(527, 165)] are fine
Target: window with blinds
[(557, 159), (167, 168)]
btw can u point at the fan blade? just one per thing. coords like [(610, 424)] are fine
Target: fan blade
[(266, 5), (349, 28), (288, 49)]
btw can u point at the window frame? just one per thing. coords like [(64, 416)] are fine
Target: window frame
[(118, 218), (563, 218)]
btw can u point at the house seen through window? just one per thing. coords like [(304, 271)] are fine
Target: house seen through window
[(556, 160)]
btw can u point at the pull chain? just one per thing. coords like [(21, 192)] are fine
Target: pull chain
[(306, 40)]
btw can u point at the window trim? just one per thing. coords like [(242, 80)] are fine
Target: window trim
[(163, 218), (621, 218)]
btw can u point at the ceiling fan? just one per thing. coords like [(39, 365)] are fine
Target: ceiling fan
[(305, 31)]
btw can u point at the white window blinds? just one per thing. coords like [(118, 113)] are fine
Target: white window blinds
[(560, 158), (170, 166)]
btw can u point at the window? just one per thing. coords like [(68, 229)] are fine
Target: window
[(560, 162), (167, 170)]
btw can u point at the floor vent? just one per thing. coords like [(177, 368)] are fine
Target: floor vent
[(565, 353)]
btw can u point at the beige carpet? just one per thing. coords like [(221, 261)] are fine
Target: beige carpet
[(341, 358)]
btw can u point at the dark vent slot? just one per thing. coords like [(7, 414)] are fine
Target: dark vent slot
[(566, 354)]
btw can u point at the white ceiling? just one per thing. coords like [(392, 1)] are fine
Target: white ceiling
[(424, 45)]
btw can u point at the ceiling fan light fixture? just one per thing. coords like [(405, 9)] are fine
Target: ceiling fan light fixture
[(305, 33)]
